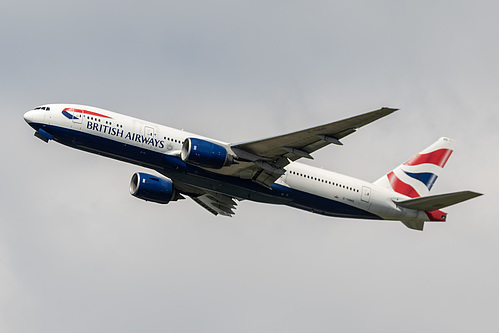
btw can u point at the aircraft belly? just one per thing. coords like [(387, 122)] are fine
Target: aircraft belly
[(321, 205)]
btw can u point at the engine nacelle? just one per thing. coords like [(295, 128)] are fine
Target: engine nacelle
[(204, 153), (151, 188)]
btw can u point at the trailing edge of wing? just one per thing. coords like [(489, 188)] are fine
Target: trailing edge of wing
[(213, 202), (435, 202), (216, 203)]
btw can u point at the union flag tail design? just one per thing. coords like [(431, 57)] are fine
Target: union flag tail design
[(416, 177)]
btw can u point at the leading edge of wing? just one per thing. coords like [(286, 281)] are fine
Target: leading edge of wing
[(310, 139)]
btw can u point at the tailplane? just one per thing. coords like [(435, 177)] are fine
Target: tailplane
[(431, 205), (435, 202)]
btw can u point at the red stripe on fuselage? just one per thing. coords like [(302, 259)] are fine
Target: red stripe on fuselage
[(401, 187), (90, 113), (438, 157)]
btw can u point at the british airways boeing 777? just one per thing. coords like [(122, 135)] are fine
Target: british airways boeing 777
[(217, 174)]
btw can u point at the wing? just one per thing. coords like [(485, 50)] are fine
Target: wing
[(215, 203), (300, 144), (268, 157)]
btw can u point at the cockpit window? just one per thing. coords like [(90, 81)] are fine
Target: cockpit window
[(46, 108)]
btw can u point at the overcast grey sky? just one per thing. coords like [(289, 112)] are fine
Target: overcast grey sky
[(79, 254)]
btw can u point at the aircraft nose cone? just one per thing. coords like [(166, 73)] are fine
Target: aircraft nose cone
[(29, 116)]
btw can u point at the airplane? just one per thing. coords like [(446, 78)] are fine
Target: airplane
[(217, 174)]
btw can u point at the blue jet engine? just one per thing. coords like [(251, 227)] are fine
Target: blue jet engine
[(205, 154), (151, 188)]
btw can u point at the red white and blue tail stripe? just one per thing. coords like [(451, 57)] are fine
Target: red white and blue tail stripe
[(416, 177)]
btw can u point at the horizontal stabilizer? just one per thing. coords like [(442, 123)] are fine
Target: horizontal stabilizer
[(435, 202)]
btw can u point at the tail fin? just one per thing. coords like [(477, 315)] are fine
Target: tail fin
[(416, 177)]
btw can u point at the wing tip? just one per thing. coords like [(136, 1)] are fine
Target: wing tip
[(389, 109)]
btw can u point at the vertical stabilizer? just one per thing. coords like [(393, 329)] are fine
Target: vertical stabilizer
[(416, 177)]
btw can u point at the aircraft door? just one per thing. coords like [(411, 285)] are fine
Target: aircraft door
[(149, 135), (366, 194), (365, 198), (77, 118), (148, 132)]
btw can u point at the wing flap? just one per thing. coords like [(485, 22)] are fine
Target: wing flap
[(213, 202), (216, 203)]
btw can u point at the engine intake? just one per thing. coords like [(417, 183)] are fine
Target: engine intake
[(205, 154), (151, 188)]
